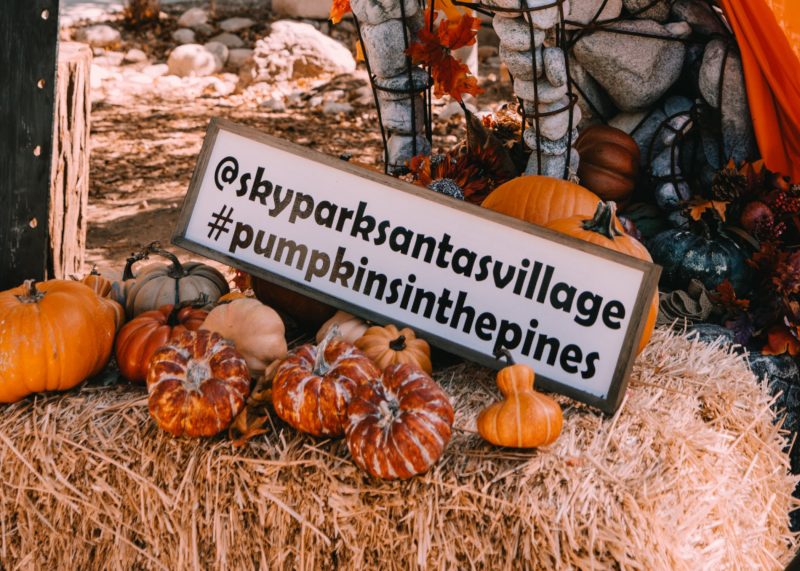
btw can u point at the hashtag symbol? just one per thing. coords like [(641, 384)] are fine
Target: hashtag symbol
[(220, 221)]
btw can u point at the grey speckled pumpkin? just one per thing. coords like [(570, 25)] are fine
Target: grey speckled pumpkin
[(709, 257), (173, 283)]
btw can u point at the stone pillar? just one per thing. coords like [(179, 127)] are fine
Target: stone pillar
[(386, 29), (543, 89)]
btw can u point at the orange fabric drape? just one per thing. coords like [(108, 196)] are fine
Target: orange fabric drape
[(772, 75)]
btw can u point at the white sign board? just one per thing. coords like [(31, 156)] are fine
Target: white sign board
[(467, 279)]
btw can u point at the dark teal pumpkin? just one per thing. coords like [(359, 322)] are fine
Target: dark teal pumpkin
[(648, 218), (708, 256)]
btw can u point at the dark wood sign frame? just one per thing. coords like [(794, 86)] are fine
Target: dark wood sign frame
[(651, 272)]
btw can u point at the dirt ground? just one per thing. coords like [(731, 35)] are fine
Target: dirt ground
[(144, 146)]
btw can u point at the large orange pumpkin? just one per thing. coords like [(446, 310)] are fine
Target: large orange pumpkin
[(605, 229), (53, 335), (541, 199), (609, 162)]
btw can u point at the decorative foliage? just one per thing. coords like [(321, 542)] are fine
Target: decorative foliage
[(699, 206), (433, 49), (398, 427), (339, 9)]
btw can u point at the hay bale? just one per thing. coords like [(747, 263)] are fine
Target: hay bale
[(690, 474)]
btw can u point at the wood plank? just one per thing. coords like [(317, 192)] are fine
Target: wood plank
[(69, 186), (28, 45)]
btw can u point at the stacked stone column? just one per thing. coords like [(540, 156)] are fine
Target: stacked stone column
[(543, 90), (384, 27)]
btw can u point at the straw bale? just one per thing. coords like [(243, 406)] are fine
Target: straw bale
[(689, 474)]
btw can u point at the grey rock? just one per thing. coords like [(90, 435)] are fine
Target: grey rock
[(193, 60), (239, 57), (553, 165), (135, 56), (679, 29), (236, 24), (642, 126), (400, 149), (678, 219), (192, 18), (206, 30), (374, 12), (396, 115), (99, 36), (515, 34), (666, 163), (156, 70), (273, 104), (677, 104), (641, 9), (678, 124), (547, 93), (520, 64), (555, 66), (710, 333), (737, 126), (336, 107), (231, 41), (670, 195), (220, 51), (584, 11), (184, 36), (711, 150), (635, 71), (381, 43), (314, 9), (541, 19), (700, 16), (397, 87), (549, 147), (295, 50), (596, 106), (554, 126)]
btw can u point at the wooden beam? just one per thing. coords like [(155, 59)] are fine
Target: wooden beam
[(28, 46)]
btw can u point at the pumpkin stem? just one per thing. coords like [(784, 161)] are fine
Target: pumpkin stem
[(321, 366), (605, 220), (502, 352), (31, 294), (176, 271), (127, 273), (398, 344)]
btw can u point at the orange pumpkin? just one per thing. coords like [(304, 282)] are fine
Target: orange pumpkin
[(313, 385), (303, 309), (350, 327), (525, 418), (541, 199), (399, 427), (197, 383), (141, 336), (390, 346), (103, 287), (610, 160), (53, 335), (605, 229)]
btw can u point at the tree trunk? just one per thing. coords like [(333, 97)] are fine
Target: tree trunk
[(69, 182)]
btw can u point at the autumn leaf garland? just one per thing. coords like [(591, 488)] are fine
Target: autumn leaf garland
[(434, 49)]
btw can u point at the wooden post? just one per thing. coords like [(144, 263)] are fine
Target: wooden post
[(28, 41), (69, 182)]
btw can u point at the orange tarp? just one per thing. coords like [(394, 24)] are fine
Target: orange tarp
[(772, 74)]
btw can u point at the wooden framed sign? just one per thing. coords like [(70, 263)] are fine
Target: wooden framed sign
[(467, 279)]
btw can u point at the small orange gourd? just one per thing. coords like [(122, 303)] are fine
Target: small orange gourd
[(391, 346), (525, 418)]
